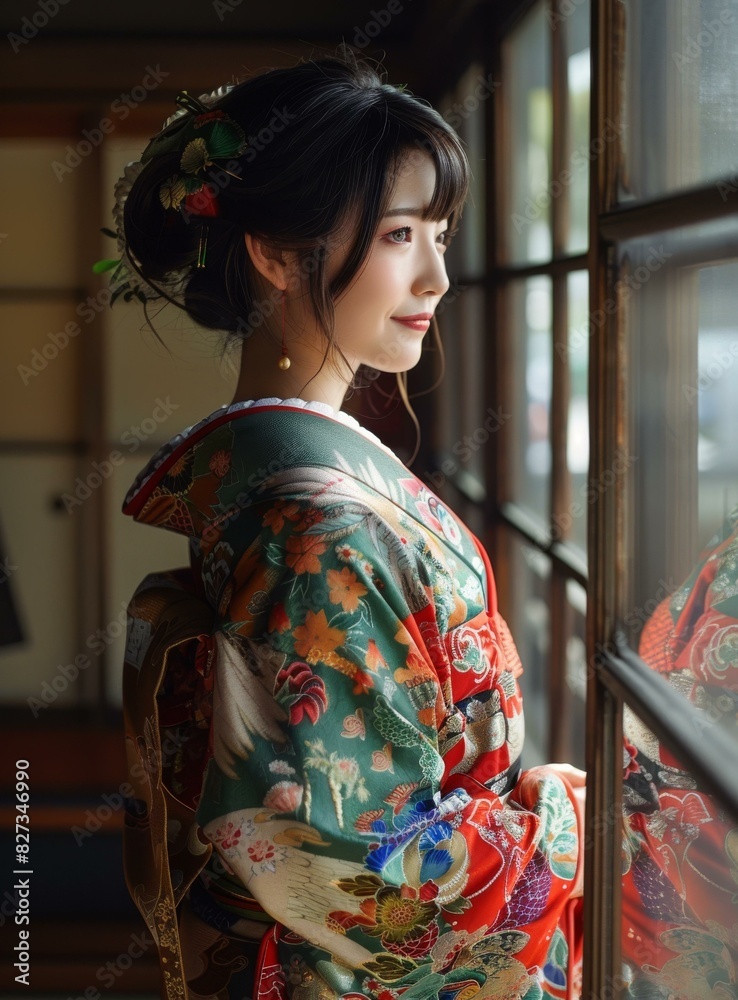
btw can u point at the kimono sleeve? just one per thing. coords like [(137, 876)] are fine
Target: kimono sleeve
[(324, 796)]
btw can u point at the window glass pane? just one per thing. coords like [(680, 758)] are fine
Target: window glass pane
[(40, 536), (679, 901), (42, 250), (576, 673), (576, 52), (574, 523), (526, 62), (529, 394), (40, 379), (715, 393), (449, 419), (680, 858), (682, 460), (526, 608), (679, 875), (465, 111), (684, 56), (465, 437)]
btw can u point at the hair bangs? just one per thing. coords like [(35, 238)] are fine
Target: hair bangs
[(452, 177)]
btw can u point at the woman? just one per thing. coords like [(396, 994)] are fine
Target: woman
[(330, 693)]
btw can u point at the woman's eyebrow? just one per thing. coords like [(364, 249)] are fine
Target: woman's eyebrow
[(417, 212)]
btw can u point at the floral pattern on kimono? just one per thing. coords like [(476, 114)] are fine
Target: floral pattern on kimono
[(364, 783)]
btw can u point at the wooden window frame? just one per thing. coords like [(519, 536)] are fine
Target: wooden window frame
[(617, 676)]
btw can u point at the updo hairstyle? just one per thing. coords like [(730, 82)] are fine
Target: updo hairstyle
[(327, 140)]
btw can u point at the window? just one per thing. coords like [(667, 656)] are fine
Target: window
[(541, 287), (617, 473), (662, 335)]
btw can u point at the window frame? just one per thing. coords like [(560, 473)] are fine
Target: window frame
[(618, 677)]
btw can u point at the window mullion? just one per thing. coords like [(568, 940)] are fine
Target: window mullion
[(602, 891)]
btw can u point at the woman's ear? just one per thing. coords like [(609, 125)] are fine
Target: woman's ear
[(272, 263)]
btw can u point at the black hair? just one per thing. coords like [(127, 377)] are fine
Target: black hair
[(327, 140)]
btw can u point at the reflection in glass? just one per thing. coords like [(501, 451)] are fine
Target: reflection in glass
[(681, 462), (526, 56), (529, 400), (680, 905)]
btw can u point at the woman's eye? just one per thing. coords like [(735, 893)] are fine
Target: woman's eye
[(397, 235), (447, 235)]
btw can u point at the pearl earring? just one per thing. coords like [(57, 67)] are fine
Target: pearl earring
[(284, 362)]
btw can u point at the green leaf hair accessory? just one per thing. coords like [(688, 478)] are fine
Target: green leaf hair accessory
[(203, 136)]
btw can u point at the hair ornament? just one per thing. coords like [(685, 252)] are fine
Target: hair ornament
[(203, 136)]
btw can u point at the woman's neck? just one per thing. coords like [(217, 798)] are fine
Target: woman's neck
[(261, 377)]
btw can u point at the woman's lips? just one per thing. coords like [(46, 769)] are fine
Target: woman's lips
[(421, 321)]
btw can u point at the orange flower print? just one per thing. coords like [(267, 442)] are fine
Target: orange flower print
[(281, 511), (308, 519), (374, 659), (303, 553), (316, 639), (220, 463), (344, 588)]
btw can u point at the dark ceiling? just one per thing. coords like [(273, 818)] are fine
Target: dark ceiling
[(318, 20), (58, 49)]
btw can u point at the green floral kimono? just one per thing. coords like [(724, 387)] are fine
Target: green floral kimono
[(326, 716)]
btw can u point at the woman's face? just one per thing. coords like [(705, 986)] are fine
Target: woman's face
[(403, 276)]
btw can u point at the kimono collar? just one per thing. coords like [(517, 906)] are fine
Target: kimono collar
[(225, 462)]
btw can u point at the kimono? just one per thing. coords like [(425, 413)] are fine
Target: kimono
[(325, 729), (680, 912)]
